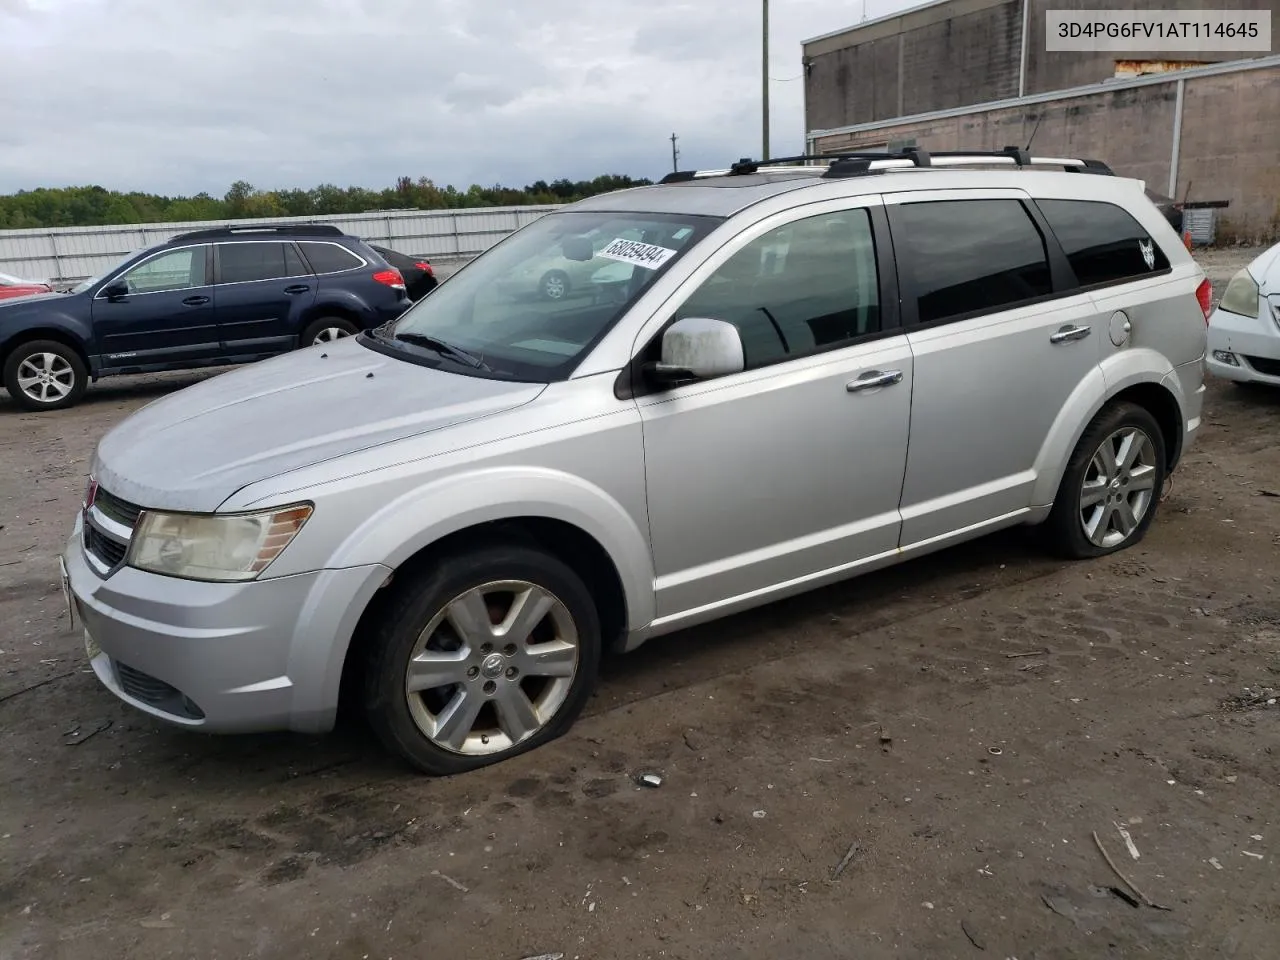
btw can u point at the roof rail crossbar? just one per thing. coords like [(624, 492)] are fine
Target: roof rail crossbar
[(856, 163), (299, 229)]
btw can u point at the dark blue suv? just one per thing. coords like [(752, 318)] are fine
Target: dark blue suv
[(209, 298)]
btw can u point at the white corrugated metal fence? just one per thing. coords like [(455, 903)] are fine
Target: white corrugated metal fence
[(62, 254)]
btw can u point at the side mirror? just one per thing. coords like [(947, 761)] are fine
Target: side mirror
[(698, 348), (116, 291), (580, 249)]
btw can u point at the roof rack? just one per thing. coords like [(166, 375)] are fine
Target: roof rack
[(298, 230), (862, 163)]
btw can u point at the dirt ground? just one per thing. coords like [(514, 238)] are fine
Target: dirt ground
[(962, 724)]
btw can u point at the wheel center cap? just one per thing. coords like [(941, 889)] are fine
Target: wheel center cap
[(492, 666), (1115, 484)]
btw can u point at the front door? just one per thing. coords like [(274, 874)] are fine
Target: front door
[(264, 291), (791, 470), (1002, 338), (165, 317)]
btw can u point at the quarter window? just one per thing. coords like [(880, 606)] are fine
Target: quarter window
[(799, 289), (1103, 243), (970, 257), (243, 262), (175, 270), (328, 257)]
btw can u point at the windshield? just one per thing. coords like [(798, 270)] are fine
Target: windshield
[(84, 285), (532, 306)]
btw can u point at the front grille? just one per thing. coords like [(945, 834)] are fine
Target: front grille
[(108, 549), (1265, 366), (121, 511), (109, 552)]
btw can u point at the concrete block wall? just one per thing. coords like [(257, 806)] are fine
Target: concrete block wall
[(967, 52), (1229, 145)]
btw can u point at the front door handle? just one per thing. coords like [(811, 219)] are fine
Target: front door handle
[(297, 288), (1067, 334), (196, 301), (876, 378)]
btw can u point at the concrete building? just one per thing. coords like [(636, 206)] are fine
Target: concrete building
[(976, 74)]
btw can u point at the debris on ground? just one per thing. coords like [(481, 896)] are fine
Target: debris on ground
[(79, 735), (845, 861), (649, 780), (1127, 882), (1128, 842), (758, 814), (1029, 653), (970, 931)]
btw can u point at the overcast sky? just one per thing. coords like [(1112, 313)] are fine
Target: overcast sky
[(180, 96)]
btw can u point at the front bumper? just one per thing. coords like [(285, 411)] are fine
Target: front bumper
[(222, 657), (1245, 349)]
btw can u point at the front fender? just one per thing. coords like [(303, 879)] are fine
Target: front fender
[(1114, 375), (423, 516), (19, 323)]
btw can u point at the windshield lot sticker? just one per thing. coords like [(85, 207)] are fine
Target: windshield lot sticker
[(640, 254)]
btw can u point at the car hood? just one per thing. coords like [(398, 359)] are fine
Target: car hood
[(193, 449), (1265, 269)]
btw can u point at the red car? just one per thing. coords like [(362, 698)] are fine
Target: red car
[(11, 287)]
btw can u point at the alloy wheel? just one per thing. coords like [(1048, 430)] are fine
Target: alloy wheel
[(492, 668), (1118, 487), (46, 377), (329, 334)]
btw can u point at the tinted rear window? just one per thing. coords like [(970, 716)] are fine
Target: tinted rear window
[(328, 257), (243, 262), (972, 256), (1103, 243)]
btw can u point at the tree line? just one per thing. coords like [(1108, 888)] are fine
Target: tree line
[(97, 206)]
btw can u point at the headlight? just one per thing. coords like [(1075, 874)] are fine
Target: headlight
[(1241, 295), (221, 547)]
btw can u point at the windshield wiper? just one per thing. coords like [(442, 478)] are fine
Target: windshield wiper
[(444, 348)]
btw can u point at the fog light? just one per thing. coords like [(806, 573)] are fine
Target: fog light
[(1227, 357)]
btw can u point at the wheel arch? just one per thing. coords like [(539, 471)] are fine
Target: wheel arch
[(570, 544), (561, 514), (63, 335), (1138, 376)]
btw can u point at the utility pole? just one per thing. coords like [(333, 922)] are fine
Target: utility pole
[(675, 155), (765, 84)]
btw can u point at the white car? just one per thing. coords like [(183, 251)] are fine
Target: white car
[(1244, 332)]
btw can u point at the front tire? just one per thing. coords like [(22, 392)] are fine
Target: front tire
[(45, 375), (1111, 488), (326, 330), (489, 653)]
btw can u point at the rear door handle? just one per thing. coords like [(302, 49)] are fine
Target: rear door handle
[(876, 378), (1067, 334), (297, 288), (196, 301)]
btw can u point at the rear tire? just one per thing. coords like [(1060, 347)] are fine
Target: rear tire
[(1112, 485), (326, 330), (502, 643), (45, 375)]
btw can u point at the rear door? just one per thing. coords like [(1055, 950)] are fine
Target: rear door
[(1001, 339), (264, 290), (165, 317)]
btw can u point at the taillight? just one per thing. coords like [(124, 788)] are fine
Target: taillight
[(425, 268), (1204, 293), (391, 278)]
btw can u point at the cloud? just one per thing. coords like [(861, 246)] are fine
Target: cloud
[(182, 97)]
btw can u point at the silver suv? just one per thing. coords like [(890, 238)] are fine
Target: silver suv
[(797, 374)]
